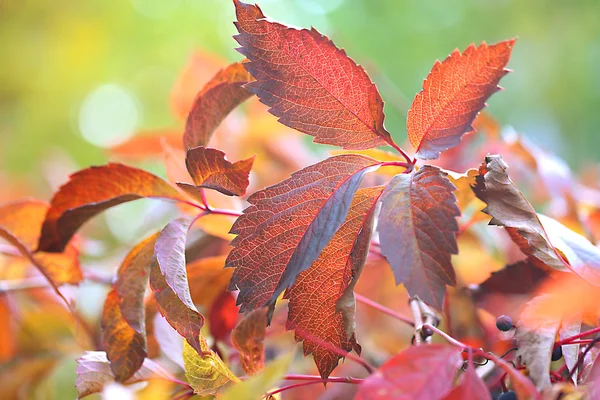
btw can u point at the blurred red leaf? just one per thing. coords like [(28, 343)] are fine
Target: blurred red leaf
[(419, 372), (210, 169), (218, 97), (148, 144), (20, 225), (417, 227), (92, 190), (523, 387), (519, 278), (321, 301), (124, 346), (310, 84), (471, 387), (296, 219), (248, 338), (453, 93), (222, 316)]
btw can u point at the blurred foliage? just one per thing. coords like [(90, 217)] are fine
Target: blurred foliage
[(56, 53)]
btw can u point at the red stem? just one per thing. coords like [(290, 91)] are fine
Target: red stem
[(313, 380), (403, 153), (383, 309), (575, 337)]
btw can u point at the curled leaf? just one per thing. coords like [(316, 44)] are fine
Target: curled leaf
[(248, 338)]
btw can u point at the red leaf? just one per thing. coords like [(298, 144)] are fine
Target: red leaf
[(310, 84), (218, 97), (419, 372), (521, 384), (321, 302), (93, 190), (210, 169), (453, 93), (222, 316), (535, 234), (417, 227), (519, 278), (471, 387), (20, 225), (125, 348), (287, 226), (248, 338)]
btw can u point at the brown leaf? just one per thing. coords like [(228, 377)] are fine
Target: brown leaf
[(417, 228), (321, 302), (248, 338), (210, 169), (453, 93), (519, 278), (93, 190), (218, 97), (310, 84), (125, 347)]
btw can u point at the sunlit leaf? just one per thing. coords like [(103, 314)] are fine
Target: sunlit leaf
[(453, 93), (310, 84), (248, 338), (419, 372), (417, 228), (204, 370), (93, 190), (321, 301), (287, 226)]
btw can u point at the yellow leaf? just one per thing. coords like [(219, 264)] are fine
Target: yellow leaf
[(206, 373)]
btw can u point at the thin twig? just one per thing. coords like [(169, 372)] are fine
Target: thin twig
[(416, 310), (382, 308)]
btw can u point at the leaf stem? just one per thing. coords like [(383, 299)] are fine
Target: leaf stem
[(403, 154), (382, 308), (451, 340), (582, 357), (204, 199), (578, 336), (311, 380)]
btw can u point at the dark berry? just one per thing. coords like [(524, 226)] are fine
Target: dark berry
[(504, 323), (426, 332), (557, 353), (510, 395)]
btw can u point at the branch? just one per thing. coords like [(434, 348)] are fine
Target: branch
[(382, 308)]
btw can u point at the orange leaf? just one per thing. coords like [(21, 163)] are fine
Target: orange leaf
[(453, 93), (20, 224), (125, 348), (248, 338), (147, 144), (208, 279), (417, 227), (210, 169), (321, 302), (218, 97), (287, 226), (93, 190), (310, 84)]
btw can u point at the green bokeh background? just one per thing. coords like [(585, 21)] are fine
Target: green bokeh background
[(55, 53)]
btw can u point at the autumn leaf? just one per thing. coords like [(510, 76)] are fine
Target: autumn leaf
[(535, 337), (251, 387), (169, 341), (204, 370), (218, 97), (310, 84), (541, 238), (471, 387), (207, 280), (523, 387), (417, 229), (93, 190), (222, 317), (20, 224), (321, 301), (419, 372), (519, 278), (248, 338), (124, 346), (570, 352), (187, 321), (454, 92), (210, 169), (288, 225)]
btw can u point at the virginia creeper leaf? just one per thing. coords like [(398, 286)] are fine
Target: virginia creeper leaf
[(523, 387), (210, 169), (509, 208), (570, 351), (131, 283), (93, 372), (20, 224), (208, 279), (249, 388), (185, 320), (321, 301), (222, 317), (216, 100), (454, 92), (519, 278), (471, 387), (419, 372), (248, 338), (535, 337), (168, 340), (205, 371), (310, 84), (288, 225), (417, 230), (93, 190), (124, 346)]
